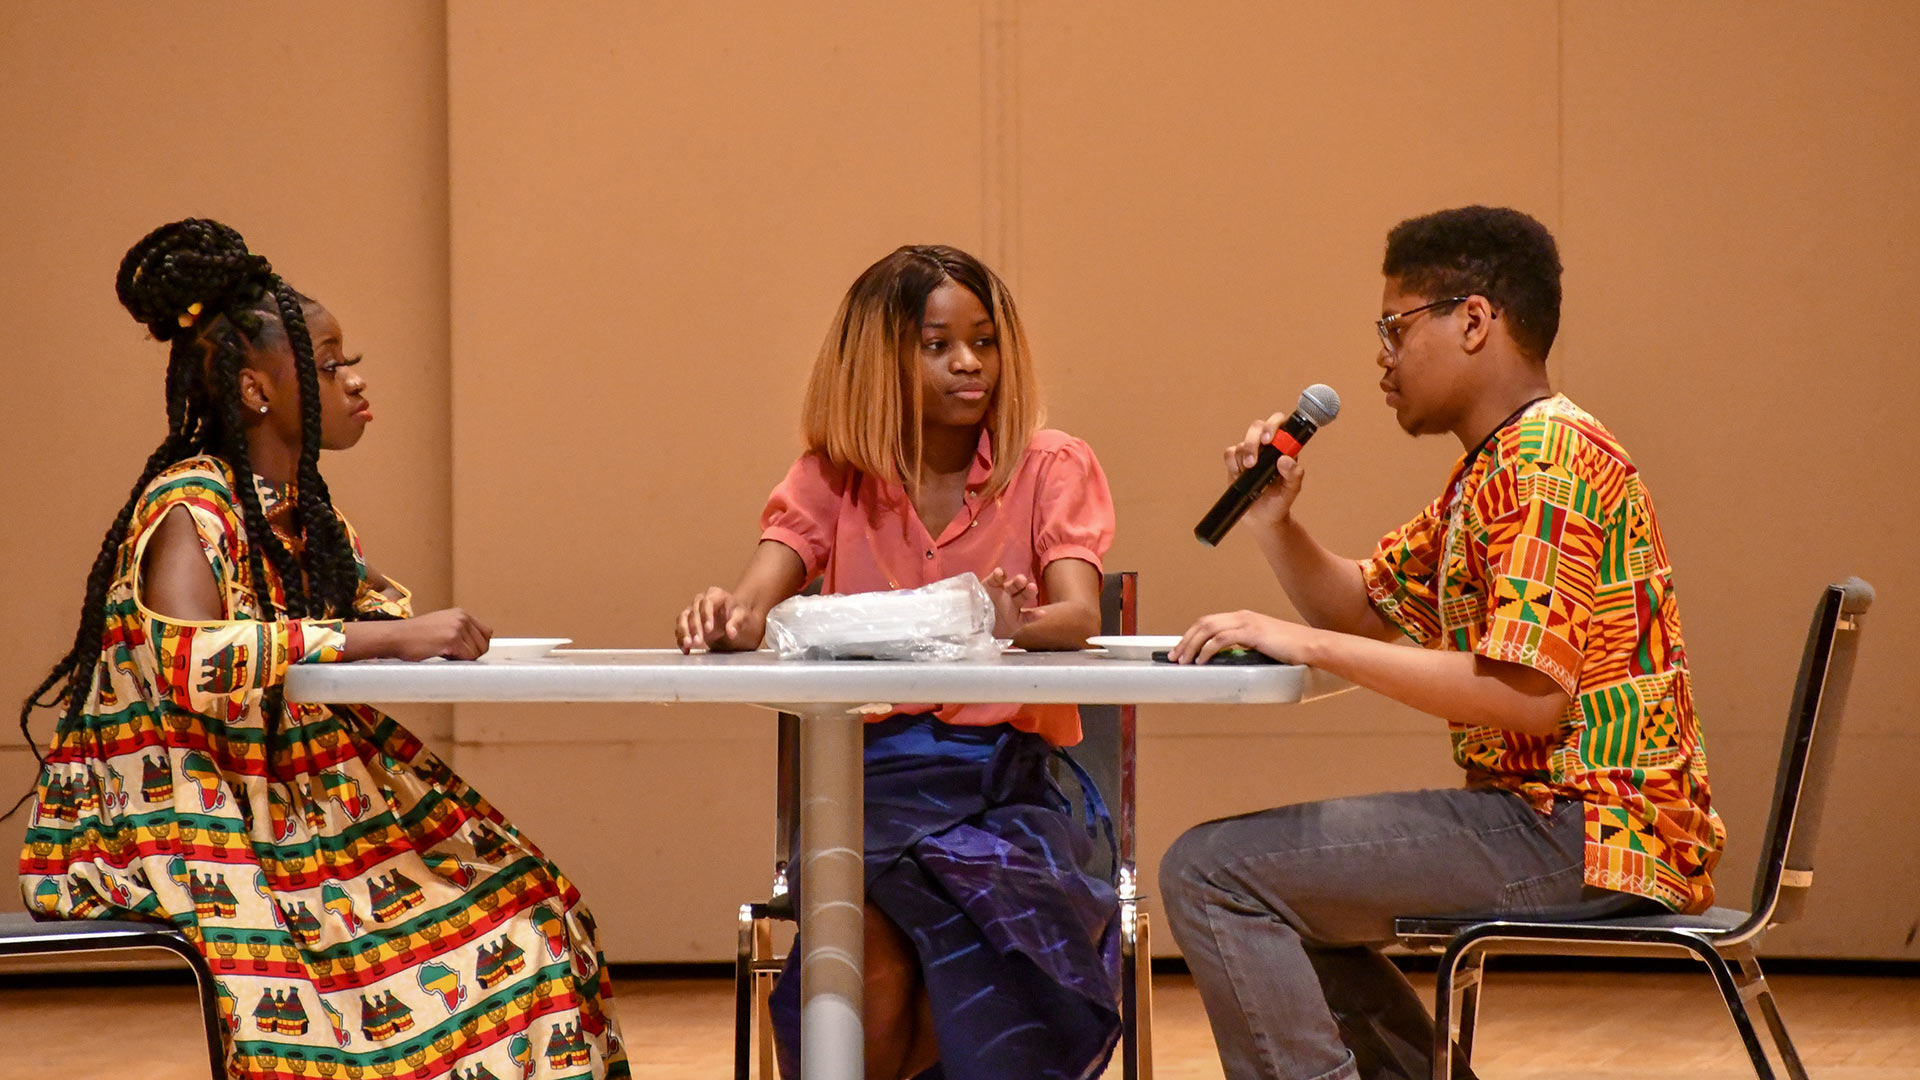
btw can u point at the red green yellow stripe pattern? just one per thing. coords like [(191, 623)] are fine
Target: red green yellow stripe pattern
[(365, 912), (1544, 551)]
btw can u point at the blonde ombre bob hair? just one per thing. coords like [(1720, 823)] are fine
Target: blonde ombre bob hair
[(863, 406)]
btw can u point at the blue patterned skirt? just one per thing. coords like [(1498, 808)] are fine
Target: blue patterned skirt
[(972, 850)]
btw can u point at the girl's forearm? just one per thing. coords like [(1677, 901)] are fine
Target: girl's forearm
[(774, 573), (1058, 627)]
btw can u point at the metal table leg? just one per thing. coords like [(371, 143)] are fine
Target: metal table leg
[(832, 894)]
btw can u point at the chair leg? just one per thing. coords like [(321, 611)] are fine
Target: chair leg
[(212, 1024), (744, 981), (1467, 984), (1753, 986), (1732, 994), (1456, 1003), (211, 1021), (1444, 989), (1136, 992), (765, 976)]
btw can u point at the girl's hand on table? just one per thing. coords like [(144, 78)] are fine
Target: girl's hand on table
[(1014, 597), (451, 633), (719, 622)]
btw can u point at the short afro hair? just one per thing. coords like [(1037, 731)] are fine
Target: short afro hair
[(1489, 251)]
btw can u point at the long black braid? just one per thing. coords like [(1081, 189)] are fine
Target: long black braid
[(194, 283), (332, 573)]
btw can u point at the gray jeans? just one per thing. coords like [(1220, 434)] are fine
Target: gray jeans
[(1280, 914)]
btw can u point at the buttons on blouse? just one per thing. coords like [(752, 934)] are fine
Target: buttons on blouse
[(929, 553)]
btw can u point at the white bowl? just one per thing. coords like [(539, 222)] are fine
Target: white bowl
[(1135, 646), (522, 648)]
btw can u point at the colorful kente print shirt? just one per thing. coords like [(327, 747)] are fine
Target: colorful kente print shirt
[(365, 913), (1543, 550)]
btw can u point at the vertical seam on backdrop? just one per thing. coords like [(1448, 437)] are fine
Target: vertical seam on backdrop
[(1010, 140), (1560, 142), (450, 713), (454, 343), (988, 219), (1000, 137), (455, 340), (1560, 109)]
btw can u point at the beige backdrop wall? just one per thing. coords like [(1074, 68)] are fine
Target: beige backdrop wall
[(647, 215), (319, 131), (653, 214)]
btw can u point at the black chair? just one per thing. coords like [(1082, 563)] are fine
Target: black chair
[(1106, 752), (22, 935), (1722, 938)]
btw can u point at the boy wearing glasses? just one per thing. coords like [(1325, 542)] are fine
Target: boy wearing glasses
[(1540, 590)]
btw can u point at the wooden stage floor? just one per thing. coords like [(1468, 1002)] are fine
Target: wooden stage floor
[(1535, 1025)]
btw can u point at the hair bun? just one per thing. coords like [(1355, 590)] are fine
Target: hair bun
[(194, 261)]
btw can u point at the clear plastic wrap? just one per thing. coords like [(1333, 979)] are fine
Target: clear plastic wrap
[(947, 620)]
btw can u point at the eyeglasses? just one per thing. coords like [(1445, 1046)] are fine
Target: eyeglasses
[(1389, 326)]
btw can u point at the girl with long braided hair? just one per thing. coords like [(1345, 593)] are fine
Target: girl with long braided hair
[(356, 900)]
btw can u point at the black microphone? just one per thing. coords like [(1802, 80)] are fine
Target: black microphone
[(1318, 406)]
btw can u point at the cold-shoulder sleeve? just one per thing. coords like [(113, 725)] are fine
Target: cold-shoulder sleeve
[(219, 668), (1073, 508), (368, 600), (804, 510)]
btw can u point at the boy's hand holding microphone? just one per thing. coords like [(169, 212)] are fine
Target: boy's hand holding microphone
[(1265, 479)]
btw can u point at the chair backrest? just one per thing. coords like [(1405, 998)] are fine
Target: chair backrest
[(786, 784), (1806, 756), (1105, 752)]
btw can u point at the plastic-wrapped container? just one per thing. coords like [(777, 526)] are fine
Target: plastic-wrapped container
[(947, 620)]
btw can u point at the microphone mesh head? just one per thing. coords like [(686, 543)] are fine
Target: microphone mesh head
[(1320, 404)]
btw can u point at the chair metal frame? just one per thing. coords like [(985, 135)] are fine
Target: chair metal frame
[(1724, 939), (1110, 731), (22, 935)]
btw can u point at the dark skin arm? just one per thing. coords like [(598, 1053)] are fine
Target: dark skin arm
[(175, 580), (176, 583), (382, 584), (1066, 623), (1461, 687), (737, 621)]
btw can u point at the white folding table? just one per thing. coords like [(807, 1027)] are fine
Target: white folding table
[(833, 698)]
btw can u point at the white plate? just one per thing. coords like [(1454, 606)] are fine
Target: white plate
[(523, 648), (1136, 646)]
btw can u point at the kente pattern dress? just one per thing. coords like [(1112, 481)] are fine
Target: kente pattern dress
[(364, 911)]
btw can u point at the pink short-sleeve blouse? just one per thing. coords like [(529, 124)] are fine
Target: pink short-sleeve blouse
[(861, 535)]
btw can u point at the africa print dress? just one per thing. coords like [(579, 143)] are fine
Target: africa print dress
[(364, 911)]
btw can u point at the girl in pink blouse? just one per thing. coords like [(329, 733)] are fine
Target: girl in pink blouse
[(988, 950)]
